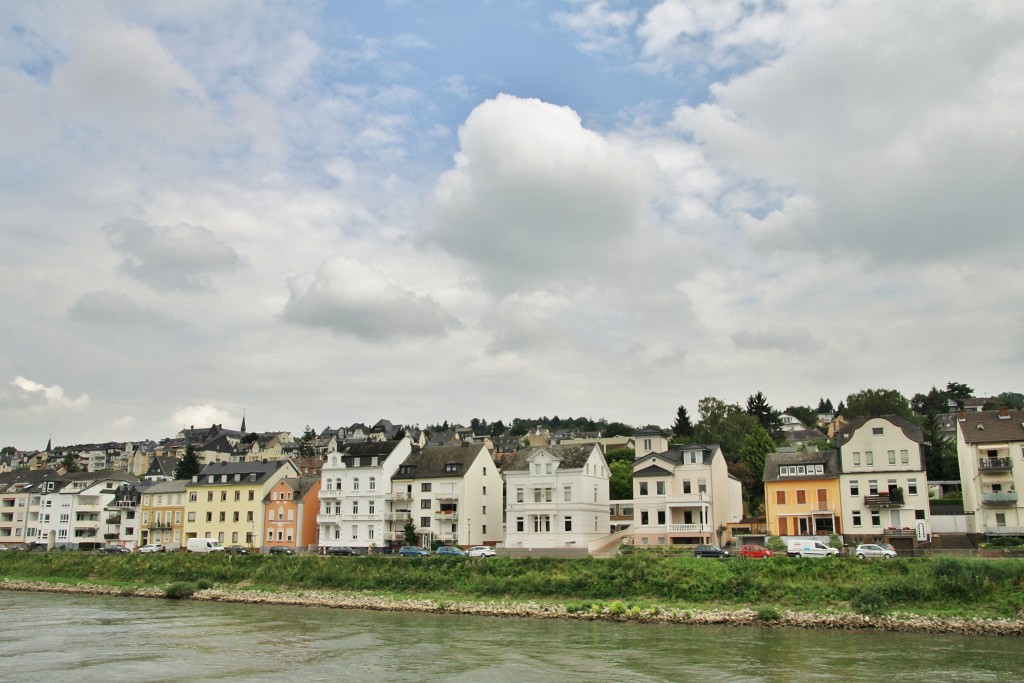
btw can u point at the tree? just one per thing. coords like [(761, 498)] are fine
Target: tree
[(307, 444), (1010, 399), (723, 424), (497, 429), (824, 405), (804, 414), (770, 419), (755, 447), (682, 427), (940, 457), (69, 463), (958, 391), (410, 532), (620, 483), (617, 429), (935, 401), (189, 466), (624, 454), (876, 402)]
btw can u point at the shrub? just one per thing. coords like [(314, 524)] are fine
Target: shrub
[(869, 601), (775, 544), (179, 590), (768, 613), (203, 584)]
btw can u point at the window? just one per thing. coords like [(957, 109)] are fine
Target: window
[(209, 516), (660, 488), (372, 507), (877, 431), (355, 531), (191, 517), (519, 495), (856, 518), (425, 504), (424, 521), (800, 469), (355, 484), (892, 457), (547, 495), (235, 516), (856, 458), (192, 497), (536, 495), (567, 494), (252, 494), (918, 514), (702, 486), (223, 496), (568, 523), (248, 516), (872, 487), (686, 486), (548, 469), (519, 523), (369, 532), (904, 457), (270, 515), (485, 509), (876, 519), (661, 516), (238, 495), (355, 507), (485, 491), (425, 487), (451, 467), (854, 487), (209, 496), (643, 488), (869, 457), (912, 487), (644, 517), (801, 497), (1000, 519), (780, 497), (536, 468), (483, 529)]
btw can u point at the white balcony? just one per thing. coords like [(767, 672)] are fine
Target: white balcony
[(689, 528), (684, 498), (398, 497), (446, 496)]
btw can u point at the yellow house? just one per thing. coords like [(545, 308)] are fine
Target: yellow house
[(162, 514), (801, 494), (225, 500)]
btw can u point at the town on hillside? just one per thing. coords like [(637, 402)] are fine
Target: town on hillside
[(938, 471)]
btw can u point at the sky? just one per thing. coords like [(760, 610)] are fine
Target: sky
[(322, 213)]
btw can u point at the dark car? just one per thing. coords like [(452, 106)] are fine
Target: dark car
[(280, 550), (709, 551), (450, 550), (114, 549), (412, 551), (237, 550), (342, 550)]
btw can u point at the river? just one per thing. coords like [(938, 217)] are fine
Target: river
[(56, 637)]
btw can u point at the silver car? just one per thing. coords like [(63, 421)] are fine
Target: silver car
[(865, 550), (481, 551)]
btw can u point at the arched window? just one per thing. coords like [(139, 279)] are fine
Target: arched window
[(373, 483), (329, 484), (355, 483)]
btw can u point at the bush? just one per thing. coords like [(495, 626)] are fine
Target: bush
[(768, 614), (1005, 542), (869, 601), (179, 590), (775, 544)]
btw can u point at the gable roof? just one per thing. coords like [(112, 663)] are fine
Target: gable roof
[(674, 455), (910, 430), (773, 461), (570, 456), (263, 469), (652, 471), (430, 462), (989, 426)]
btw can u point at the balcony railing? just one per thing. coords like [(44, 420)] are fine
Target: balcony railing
[(1000, 498), (402, 517), (398, 497), (446, 516), (160, 525), (676, 498), (995, 464), (446, 496), (883, 501), (689, 528)]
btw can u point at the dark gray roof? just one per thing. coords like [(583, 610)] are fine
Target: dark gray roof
[(830, 459), (572, 456), (989, 427), (675, 454), (430, 462), (261, 468), (911, 430), (361, 454)]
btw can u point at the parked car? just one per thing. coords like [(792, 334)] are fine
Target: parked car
[(114, 549), (236, 550), (204, 545), (152, 548), (481, 551), (706, 550), (799, 547), (755, 551), (412, 551), (280, 550), (865, 550), (342, 550), (449, 550)]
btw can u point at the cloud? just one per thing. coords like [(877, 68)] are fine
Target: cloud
[(117, 311), (598, 28), (201, 416), (349, 297), (51, 396), (535, 198), (774, 339), (181, 256)]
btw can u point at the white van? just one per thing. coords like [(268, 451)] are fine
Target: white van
[(803, 548), (204, 545)]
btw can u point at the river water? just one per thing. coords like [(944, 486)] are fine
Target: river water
[(81, 638)]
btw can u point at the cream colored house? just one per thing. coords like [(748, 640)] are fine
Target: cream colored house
[(557, 497), (883, 485), (162, 514), (990, 448), (453, 495), (683, 495)]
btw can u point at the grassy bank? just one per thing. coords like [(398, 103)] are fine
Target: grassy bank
[(942, 587)]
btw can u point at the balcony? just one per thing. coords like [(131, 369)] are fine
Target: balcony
[(446, 516), (678, 498), (446, 496), (328, 518), (995, 464), (401, 517), (1000, 498), (883, 501), (689, 528), (398, 497), (114, 519), (160, 525)]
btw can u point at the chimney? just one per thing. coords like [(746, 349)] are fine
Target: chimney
[(1004, 413)]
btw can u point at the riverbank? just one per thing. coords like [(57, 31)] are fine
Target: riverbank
[(616, 611)]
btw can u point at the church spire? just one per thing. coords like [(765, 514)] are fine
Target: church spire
[(243, 422)]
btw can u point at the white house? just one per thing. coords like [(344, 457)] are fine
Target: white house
[(990, 448), (557, 496), (355, 493), (683, 495), (883, 484), (453, 495), (74, 512)]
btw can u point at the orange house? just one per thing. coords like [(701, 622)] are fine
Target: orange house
[(801, 494), (290, 511)]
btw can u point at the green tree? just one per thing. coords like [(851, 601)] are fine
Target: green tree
[(410, 532), (755, 447), (620, 483), (770, 419), (189, 465), (307, 444), (804, 414), (683, 427), (876, 402), (940, 456), (617, 429), (935, 401), (958, 391), (1010, 399), (497, 429), (723, 424), (624, 454), (70, 463)]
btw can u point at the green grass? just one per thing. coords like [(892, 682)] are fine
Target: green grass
[(943, 586)]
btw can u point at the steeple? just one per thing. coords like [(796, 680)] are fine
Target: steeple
[(243, 422), (49, 444)]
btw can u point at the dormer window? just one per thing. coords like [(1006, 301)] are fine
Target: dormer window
[(451, 467)]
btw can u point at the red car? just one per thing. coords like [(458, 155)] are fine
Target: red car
[(757, 551)]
